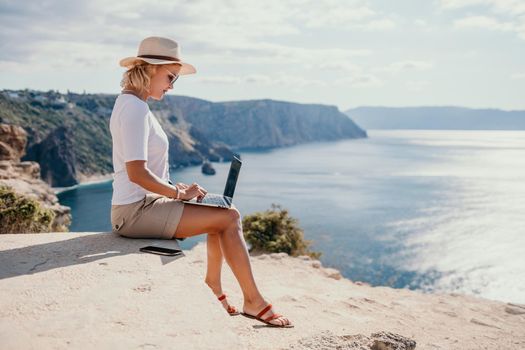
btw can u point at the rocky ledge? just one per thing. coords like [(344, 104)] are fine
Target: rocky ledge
[(98, 291), (24, 177)]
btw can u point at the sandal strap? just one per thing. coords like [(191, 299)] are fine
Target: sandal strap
[(273, 317), (231, 309), (222, 297), (263, 311)]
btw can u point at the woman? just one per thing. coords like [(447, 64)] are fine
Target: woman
[(146, 204)]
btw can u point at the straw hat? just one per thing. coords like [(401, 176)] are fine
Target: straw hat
[(157, 50)]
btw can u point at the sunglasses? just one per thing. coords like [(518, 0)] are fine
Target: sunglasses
[(173, 77)]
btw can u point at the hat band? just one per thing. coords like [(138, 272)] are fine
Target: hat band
[(168, 58)]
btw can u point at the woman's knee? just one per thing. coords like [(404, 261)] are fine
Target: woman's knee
[(229, 217), (234, 214), (232, 218), (197, 220)]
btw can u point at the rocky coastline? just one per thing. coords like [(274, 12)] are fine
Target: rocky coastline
[(68, 134), (23, 177)]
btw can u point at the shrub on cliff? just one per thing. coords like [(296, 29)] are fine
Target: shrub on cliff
[(274, 231), (19, 214)]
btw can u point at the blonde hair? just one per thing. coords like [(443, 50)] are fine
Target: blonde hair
[(138, 77)]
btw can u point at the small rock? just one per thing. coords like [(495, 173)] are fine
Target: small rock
[(143, 288), (481, 323), (316, 264), (515, 309), (450, 313), (207, 168), (327, 340), (332, 273), (392, 341), (360, 283), (304, 257), (517, 305), (278, 256)]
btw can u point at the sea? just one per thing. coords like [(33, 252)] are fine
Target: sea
[(435, 211)]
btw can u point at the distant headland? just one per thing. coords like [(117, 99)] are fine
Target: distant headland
[(437, 118), (68, 134)]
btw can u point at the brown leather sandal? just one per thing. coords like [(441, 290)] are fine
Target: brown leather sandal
[(268, 319)]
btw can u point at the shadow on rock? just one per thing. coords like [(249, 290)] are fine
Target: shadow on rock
[(72, 249)]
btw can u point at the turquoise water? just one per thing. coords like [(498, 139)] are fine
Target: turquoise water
[(430, 210)]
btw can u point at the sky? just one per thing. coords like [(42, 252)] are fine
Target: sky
[(347, 53)]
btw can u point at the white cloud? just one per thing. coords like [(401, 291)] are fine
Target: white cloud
[(360, 81), (343, 15), (379, 24), (225, 33), (497, 15), (336, 66), (322, 46), (219, 80), (483, 22), (510, 7), (231, 30), (420, 22), (518, 76), (455, 4), (258, 79), (409, 65), (331, 14), (278, 79), (254, 53), (417, 85), (297, 81)]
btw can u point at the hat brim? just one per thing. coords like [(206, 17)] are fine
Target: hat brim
[(186, 68)]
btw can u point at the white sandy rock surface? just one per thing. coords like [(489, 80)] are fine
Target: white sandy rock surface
[(97, 291)]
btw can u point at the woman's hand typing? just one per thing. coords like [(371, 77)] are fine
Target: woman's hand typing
[(188, 192)]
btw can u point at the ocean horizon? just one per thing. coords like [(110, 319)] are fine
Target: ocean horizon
[(437, 211)]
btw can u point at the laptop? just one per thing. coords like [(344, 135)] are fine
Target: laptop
[(225, 200)]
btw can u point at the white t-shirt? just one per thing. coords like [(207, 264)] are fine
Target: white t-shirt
[(136, 135)]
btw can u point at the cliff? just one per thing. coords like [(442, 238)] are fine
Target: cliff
[(97, 291), (264, 123), (68, 134), (24, 177)]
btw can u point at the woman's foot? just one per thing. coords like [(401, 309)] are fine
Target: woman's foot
[(217, 290), (231, 310), (264, 313)]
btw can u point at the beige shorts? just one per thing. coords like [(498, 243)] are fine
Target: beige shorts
[(155, 216)]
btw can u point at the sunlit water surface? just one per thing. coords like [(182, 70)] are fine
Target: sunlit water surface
[(430, 210)]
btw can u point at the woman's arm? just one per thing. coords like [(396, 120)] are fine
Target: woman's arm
[(139, 174)]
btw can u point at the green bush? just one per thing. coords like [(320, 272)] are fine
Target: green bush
[(19, 214), (274, 231)]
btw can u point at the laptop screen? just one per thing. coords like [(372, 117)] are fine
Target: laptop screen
[(231, 182)]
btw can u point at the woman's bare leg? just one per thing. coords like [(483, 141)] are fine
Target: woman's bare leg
[(226, 224), (214, 264), (214, 267)]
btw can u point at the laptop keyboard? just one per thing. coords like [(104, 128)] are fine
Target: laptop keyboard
[(214, 199)]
